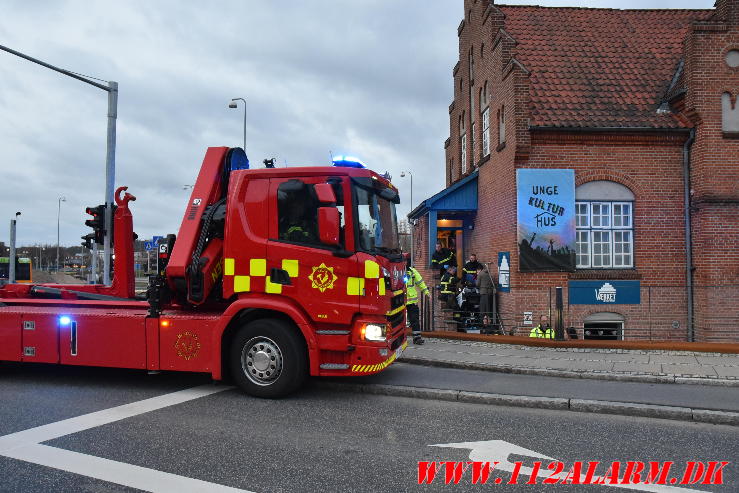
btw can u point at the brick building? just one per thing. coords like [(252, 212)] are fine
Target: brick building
[(640, 105)]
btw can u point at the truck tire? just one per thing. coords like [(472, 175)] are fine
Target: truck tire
[(268, 358)]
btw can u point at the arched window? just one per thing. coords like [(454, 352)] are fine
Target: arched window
[(604, 219)]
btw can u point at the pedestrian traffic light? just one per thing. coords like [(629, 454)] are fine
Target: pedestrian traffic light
[(97, 223)]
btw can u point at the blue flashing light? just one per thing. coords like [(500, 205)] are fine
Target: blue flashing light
[(348, 162), (405, 279), (238, 159), (64, 320)]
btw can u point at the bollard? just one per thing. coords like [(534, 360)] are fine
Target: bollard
[(559, 330)]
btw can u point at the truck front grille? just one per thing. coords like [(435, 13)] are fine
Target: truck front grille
[(397, 320), (397, 301)]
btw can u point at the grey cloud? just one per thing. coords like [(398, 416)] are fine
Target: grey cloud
[(369, 77)]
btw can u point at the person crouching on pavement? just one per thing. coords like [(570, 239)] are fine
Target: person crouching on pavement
[(414, 282), (543, 330)]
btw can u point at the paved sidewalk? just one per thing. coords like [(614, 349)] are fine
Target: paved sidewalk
[(658, 366)]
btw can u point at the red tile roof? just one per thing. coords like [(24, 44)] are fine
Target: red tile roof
[(599, 67)]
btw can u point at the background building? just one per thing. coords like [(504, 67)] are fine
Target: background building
[(640, 106)]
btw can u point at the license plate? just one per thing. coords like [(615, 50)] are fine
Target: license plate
[(400, 350)]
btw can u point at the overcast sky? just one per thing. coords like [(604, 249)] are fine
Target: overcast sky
[(371, 78)]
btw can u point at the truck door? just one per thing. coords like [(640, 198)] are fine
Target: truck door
[(323, 279)]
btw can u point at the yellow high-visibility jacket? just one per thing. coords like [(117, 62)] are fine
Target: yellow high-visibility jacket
[(414, 279), (541, 333)]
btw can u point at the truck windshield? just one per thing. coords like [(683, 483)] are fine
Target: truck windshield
[(378, 227)]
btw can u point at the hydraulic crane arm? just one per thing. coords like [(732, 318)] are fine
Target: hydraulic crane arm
[(195, 262)]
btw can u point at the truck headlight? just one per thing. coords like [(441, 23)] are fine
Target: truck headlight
[(374, 332)]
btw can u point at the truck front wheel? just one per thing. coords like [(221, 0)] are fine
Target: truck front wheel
[(268, 358)]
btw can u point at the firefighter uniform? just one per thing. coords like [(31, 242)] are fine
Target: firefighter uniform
[(442, 259), (449, 287), (469, 271), (414, 282), (545, 332)]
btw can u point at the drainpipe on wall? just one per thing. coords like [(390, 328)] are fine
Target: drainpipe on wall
[(688, 232)]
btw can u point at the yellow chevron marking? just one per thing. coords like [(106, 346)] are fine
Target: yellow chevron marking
[(397, 310)]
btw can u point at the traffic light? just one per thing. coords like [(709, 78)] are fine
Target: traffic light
[(97, 223), (88, 239)]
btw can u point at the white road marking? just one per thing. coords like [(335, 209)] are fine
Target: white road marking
[(500, 451), (112, 471), (26, 446)]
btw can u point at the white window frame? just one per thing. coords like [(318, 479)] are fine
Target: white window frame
[(583, 245), (501, 125), (486, 132), (474, 140), (611, 253), (463, 144)]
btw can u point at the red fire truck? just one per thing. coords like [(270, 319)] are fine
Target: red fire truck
[(275, 274)]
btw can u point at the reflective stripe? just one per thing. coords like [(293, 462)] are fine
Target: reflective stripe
[(291, 266), (241, 284), (257, 267), (397, 310), (270, 287), (228, 267), (371, 269), (379, 366), (355, 286)]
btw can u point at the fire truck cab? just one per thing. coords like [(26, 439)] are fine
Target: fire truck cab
[(275, 274)]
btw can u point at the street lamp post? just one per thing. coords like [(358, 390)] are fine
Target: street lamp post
[(233, 104), (402, 175), (11, 259), (58, 215), (112, 89)]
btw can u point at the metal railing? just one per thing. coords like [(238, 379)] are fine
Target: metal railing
[(661, 314)]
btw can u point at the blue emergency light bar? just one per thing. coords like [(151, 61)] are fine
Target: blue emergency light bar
[(348, 162)]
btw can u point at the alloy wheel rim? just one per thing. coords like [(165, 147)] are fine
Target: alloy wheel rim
[(261, 360)]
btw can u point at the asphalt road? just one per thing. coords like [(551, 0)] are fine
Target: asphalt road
[(313, 441)]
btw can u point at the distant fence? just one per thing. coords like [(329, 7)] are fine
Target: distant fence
[(656, 313)]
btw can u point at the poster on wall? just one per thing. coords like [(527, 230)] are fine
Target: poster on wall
[(546, 219), (504, 271)]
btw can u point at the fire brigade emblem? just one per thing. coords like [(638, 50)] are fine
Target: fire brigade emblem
[(187, 345), (323, 277)]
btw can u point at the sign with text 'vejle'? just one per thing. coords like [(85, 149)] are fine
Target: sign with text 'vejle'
[(546, 219), (604, 292)]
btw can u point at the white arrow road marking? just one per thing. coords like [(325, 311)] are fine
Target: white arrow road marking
[(26, 446), (500, 451)]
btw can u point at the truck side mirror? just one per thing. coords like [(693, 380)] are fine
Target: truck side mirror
[(325, 193), (328, 225)]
